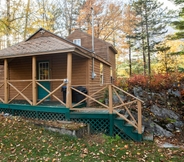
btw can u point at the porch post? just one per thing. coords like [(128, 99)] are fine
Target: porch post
[(6, 93), (69, 77), (139, 117), (34, 92), (110, 99), (111, 111)]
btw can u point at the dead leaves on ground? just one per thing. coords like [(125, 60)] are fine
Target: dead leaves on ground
[(21, 140)]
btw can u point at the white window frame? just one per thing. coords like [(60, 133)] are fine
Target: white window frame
[(43, 70), (77, 42)]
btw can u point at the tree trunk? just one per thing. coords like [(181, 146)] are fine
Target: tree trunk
[(130, 60), (148, 43), (26, 22), (8, 23)]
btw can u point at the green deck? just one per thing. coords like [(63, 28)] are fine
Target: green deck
[(100, 121)]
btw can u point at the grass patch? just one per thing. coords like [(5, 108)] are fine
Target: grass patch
[(21, 140)]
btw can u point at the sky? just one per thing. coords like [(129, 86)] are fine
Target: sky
[(168, 4)]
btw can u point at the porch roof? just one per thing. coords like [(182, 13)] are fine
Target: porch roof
[(39, 46)]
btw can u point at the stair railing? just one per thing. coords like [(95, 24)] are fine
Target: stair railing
[(112, 107), (132, 121)]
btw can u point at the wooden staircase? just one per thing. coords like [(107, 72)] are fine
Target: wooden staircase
[(128, 129), (127, 125)]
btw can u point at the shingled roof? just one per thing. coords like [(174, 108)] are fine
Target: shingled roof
[(36, 46), (41, 44)]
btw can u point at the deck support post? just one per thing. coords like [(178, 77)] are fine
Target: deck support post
[(111, 111), (110, 99), (6, 93), (69, 77), (111, 119), (34, 92), (139, 117)]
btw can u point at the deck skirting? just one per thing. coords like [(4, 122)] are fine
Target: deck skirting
[(99, 121)]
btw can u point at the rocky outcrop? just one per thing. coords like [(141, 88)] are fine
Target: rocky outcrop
[(162, 111)]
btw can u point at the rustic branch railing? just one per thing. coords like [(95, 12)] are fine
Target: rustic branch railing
[(137, 124), (2, 84), (50, 93), (20, 92), (113, 108), (29, 100), (89, 97)]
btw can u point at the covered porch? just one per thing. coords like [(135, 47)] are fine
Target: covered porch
[(56, 109)]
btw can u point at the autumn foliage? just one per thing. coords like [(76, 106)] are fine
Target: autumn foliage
[(156, 82)]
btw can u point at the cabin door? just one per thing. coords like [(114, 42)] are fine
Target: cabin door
[(43, 75)]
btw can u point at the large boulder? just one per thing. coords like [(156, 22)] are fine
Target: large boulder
[(159, 131), (164, 113)]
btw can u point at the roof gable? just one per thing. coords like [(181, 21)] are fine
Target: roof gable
[(80, 32), (42, 33)]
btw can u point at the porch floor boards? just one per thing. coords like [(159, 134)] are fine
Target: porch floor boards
[(53, 106)]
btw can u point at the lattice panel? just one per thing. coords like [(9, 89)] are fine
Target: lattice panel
[(96, 125), (51, 116), (9, 111), (120, 133), (27, 114)]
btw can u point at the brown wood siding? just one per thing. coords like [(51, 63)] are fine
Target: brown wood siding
[(20, 69), (95, 83), (79, 71), (106, 73), (86, 42)]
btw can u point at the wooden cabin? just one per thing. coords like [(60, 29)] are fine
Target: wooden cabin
[(48, 69), (50, 54)]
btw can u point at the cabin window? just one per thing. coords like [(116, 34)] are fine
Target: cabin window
[(77, 42), (101, 73), (43, 70)]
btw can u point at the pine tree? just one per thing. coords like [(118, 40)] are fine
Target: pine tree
[(179, 24), (153, 20)]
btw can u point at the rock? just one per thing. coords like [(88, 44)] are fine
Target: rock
[(149, 125), (148, 137), (156, 111), (170, 127), (6, 114), (164, 113), (81, 132), (168, 145), (159, 131), (175, 93), (116, 99), (138, 91), (171, 114), (178, 124)]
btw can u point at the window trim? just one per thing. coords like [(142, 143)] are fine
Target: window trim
[(48, 69), (77, 42)]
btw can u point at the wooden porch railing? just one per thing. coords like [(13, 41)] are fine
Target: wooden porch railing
[(1, 86), (11, 83), (51, 93), (112, 107), (109, 89)]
